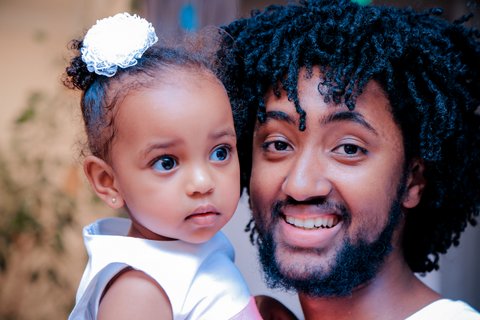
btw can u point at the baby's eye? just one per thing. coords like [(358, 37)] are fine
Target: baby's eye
[(164, 163), (221, 153)]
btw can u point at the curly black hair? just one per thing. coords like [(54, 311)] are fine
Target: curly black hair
[(428, 67), (100, 94)]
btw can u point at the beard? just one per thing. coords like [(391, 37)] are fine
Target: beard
[(354, 264)]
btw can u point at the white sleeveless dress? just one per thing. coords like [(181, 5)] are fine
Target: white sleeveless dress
[(200, 280)]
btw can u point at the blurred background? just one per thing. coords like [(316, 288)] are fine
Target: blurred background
[(44, 197)]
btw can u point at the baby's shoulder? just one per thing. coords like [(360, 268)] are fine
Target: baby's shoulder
[(132, 293)]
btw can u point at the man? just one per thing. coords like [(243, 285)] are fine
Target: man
[(360, 148)]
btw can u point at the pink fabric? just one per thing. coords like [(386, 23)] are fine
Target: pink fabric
[(250, 312)]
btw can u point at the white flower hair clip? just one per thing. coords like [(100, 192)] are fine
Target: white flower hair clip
[(116, 41)]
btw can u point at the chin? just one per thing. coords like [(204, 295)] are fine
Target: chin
[(317, 273), (298, 263)]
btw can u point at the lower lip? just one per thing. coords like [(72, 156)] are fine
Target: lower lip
[(204, 219), (306, 238)]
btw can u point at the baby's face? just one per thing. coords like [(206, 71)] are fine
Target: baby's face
[(174, 157)]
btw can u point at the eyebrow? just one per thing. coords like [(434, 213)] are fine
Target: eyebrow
[(176, 142), (222, 133), (160, 145), (352, 116), (279, 115), (340, 116)]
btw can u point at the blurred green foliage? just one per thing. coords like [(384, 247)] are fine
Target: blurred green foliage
[(35, 209)]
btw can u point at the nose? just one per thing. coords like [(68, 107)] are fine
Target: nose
[(307, 177), (199, 181)]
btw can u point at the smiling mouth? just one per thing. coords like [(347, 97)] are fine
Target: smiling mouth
[(326, 222)]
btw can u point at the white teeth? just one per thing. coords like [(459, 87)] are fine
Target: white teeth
[(313, 223), (308, 224)]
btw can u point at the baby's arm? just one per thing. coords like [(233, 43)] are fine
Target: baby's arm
[(134, 295)]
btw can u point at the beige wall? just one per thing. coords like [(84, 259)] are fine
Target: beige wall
[(44, 258)]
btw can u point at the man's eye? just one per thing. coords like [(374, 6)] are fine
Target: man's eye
[(350, 150), (221, 153), (164, 163), (280, 145), (275, 146)]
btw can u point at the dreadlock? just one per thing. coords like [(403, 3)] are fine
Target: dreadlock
[(428, 67)]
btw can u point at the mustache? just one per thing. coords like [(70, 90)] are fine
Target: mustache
[(321, 202)]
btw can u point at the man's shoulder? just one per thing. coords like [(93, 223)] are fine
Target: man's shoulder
[(446, 309)]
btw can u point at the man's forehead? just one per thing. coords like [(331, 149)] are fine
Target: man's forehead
[(372, 107), (311, 88)]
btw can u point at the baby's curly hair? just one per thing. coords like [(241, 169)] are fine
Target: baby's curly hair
[(428, 67)]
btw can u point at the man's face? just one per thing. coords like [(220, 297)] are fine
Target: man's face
[(326, 200)]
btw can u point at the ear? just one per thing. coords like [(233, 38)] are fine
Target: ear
[(415, 184), (102, 179)]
